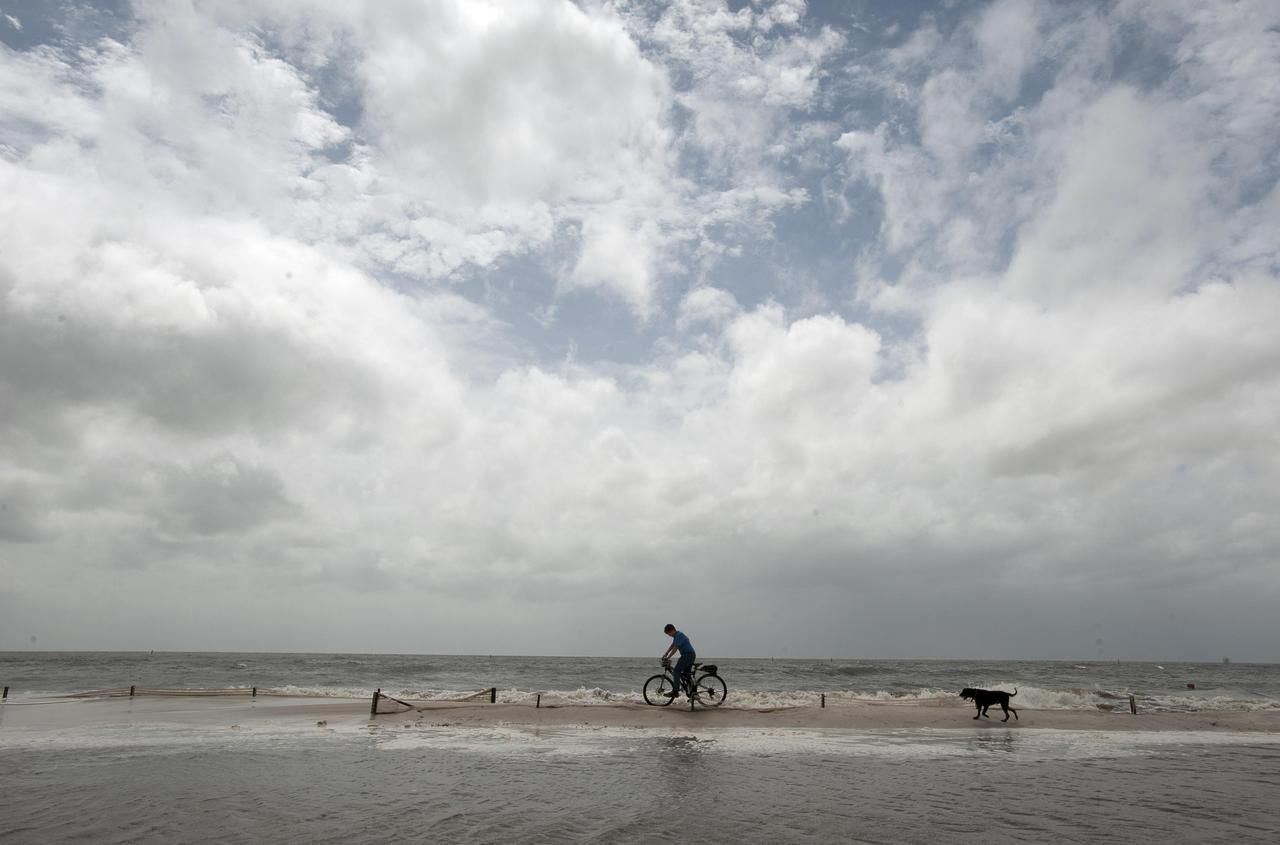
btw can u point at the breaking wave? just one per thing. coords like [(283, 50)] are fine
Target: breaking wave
[(1034, 698)]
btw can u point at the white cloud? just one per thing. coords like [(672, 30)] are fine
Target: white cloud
[(1008, 35), (621, 253), (706, 305), (742, 84), (1127, 209), (513, 102), (500, 123), (226, 355)]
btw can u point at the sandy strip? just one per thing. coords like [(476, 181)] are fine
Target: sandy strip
[(116, 712)]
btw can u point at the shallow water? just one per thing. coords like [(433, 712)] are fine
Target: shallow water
[(752, 682), (169, 784), (140, 782)]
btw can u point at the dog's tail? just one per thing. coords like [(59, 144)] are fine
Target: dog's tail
[(1015, 692)]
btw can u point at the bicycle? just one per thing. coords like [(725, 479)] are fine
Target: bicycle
[(708, 689)]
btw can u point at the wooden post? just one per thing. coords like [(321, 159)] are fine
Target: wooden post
[(131, 690), (373, 708), (824, 700), (1133, 706), (535, 707), (493, 695), (255, 693), (6, 693)]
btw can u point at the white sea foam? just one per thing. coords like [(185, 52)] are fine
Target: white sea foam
[(1031, 697), (582, 695), (163, 738), (1024, 743), (500, 740), (317, 692), (1034, 698)]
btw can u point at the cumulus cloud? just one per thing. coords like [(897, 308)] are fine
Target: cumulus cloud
[(706, 304), (248, 339)]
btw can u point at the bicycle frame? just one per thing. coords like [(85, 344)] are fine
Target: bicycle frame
[(700, 685)]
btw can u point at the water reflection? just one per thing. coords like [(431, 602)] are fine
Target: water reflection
[(684, 764), (1001, 742)]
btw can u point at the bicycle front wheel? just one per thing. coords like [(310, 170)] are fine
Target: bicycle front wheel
[(657, 691), (711, 690)]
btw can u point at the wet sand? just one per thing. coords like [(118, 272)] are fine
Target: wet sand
[(54, 714)]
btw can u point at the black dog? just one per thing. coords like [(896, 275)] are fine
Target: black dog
[(985, 698)]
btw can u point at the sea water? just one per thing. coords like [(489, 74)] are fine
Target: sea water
[(401, 780), (1166, 687), (393, 783)]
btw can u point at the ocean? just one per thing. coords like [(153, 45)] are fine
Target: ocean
[(288, 783), (1052, 685)]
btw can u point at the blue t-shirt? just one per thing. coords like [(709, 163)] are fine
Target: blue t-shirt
[(682, 644)]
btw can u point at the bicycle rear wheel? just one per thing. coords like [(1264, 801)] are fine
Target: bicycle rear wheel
[(711, 690), (657, 691)]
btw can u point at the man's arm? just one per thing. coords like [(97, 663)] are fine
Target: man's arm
[(671, 649)]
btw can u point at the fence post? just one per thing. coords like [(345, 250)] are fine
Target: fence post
[(6, 693), (493, 695), (131, 690), (1133, 706), (824, 700), (535, 707), (373, 708), (255, 693)]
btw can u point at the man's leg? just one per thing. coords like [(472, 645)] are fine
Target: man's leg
[(674, 669), (683, 681)]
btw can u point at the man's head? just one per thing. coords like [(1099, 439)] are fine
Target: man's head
[(669, 629)]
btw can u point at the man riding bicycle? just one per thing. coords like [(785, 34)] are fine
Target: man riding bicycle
[(680, 643)]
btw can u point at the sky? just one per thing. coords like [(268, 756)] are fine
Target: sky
[(839, 329)]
